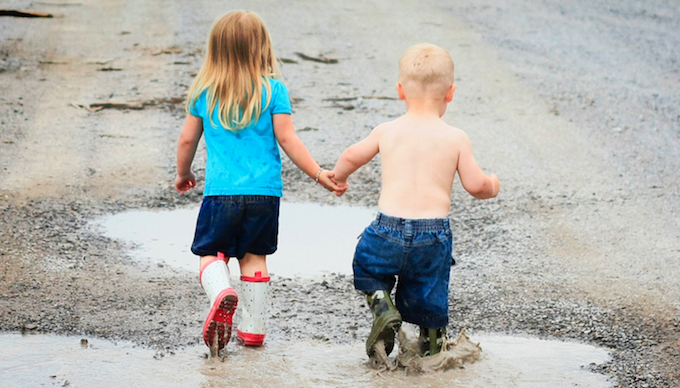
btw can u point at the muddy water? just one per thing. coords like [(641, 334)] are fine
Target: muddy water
[(324, 236), (326, 233), (42, 360)]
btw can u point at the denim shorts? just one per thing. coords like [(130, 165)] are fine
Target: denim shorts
[(236, 225), (418, 252)]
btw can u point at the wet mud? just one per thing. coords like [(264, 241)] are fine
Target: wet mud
[(454, 354)]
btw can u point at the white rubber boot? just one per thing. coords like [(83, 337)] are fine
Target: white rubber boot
[(251, 331), (214, 278)]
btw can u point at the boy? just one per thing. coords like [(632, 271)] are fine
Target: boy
[(411, 237)]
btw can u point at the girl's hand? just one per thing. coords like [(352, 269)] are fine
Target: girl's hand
[(185, 183), (325, 179)]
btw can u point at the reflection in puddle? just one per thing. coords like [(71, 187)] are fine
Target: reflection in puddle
[(43, 360), (313, 239)]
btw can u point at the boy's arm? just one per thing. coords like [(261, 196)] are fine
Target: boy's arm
[(475, 182), (186, 149), (284, 130), (356, 156)]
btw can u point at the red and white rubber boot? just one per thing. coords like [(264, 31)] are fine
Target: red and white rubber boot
[(214, 278), (251, 331)]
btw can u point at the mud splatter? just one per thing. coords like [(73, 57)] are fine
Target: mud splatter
[(380, 360), (215, 347), (454, 354)]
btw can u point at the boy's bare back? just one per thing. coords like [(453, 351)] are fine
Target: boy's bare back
[(419, 160)]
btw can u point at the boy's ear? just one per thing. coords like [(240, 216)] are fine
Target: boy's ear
[(449, 93), (400, 91)]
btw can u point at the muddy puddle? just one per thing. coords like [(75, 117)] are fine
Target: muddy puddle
[(325, 236), (45, 360), (313, 239)]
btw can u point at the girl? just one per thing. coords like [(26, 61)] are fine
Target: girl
[(244, 113)]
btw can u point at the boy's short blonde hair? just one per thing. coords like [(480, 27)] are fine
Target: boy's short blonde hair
[(426, 68)]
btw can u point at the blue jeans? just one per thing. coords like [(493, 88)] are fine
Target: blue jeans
[(418, 252), (236, 225)]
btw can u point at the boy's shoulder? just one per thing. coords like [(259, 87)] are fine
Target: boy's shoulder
[(402, 123), (455, 131)]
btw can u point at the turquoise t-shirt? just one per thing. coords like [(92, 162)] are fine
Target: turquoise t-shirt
[(246, 162)]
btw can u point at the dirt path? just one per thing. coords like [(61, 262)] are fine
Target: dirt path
[(574, 106)]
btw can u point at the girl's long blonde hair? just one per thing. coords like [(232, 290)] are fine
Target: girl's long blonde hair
[(239, 61)]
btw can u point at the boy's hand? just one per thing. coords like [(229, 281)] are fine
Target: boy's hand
[(496, 184), (325, 179), (340, 183), (184, 183)]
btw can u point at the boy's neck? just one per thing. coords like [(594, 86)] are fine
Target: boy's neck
[(426, 107)]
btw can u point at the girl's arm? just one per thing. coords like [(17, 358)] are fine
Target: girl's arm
[(186, 150), (284, 130)]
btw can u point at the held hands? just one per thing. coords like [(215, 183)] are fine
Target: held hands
[(342, 184), (326, 180), (185, 183)]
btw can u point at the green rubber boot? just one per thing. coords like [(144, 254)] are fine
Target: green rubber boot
[(431, 340), (386, 321)]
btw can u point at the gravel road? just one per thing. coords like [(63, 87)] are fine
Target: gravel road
[(574, 105)]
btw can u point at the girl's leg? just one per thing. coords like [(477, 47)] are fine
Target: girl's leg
[(206, 259), (214, 278), (254, 283), (251, 264), (214, 275)]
